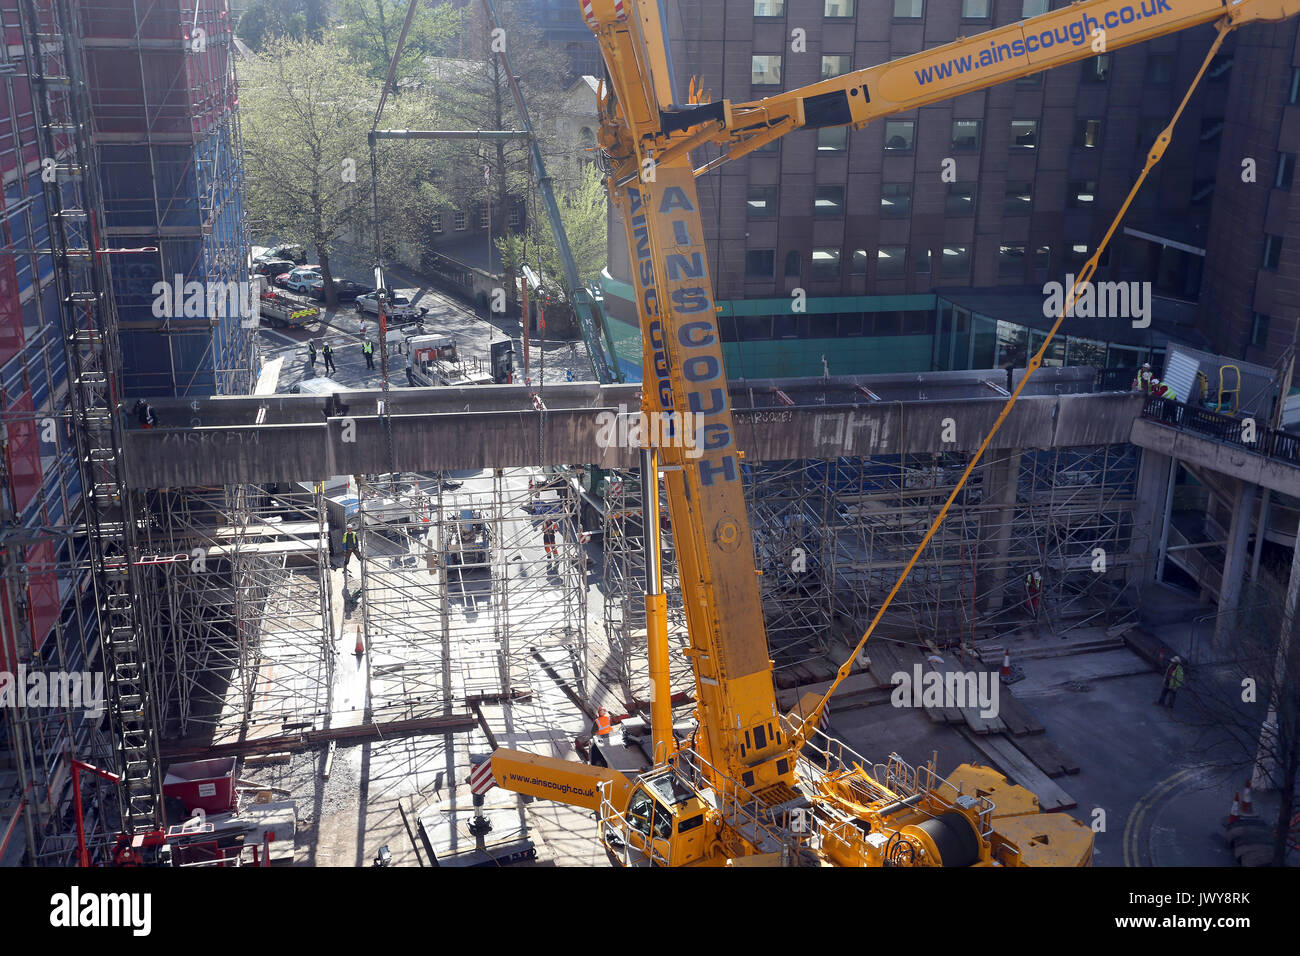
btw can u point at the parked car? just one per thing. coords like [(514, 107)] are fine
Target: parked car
[(347, 289), (399, 308), (272, 267), (299, 280), (293, 253)]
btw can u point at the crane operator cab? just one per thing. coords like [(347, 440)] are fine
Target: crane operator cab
[(664, 824)]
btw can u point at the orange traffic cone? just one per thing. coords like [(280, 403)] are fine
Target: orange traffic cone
[(361, 647), (1247, 802), (1235, 813), (1006, 663)]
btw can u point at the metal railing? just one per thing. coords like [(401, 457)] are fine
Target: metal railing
[(1246, 432)]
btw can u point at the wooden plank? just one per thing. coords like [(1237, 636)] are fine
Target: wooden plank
[(1049, 757), (1019, 718), (1019, 769), (884, 662)]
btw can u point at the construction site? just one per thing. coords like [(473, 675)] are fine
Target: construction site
[(332, 630)]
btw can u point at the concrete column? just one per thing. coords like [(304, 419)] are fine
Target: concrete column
[(1262, 776), (1149, 516), (1261, 526), (1236, 563), (1001, 477)]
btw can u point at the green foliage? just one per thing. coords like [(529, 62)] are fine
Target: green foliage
[(583, 210), (264, 20), (370, 30), (306, 110)]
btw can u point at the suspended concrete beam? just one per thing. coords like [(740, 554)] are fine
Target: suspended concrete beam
[(301, 438), (1223, 457)]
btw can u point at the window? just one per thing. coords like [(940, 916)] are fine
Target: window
[(759, 263), (923, 262), (516, 215), (1019, 198), (839, 8), (1024, 134), (851, 323), (436, 222), (1202, 190), (769, 8), (1285, 171), (965, 134), (832, 139), (895, 200), (899, 134), (835, 65), (858, 264), (766, 69), (760, 202), (823, 326), (1076, 255), (961, 199), (955, 262), (785, 326), (483, 216), (974, 9), (1011, 260), (891, 262), (1160, 69), (1259, 330), (826, 263), (829, 201), (460, 220), (1272, 252), (1043, 258), (908, 9), (1082, 194), (1097, 69), (1034, 8), (1211, 128), (886, 323), (755, 328), (1294, 98), (1087, 134), (1030, 79), (1219, 68), (792, 264)]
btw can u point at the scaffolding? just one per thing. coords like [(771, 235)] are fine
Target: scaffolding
[(459, 598), (242, 608), (832, 536)]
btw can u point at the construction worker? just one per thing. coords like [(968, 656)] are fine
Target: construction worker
[(549, 527), (327, 354), (144, 414), (350, 547), (1173, 681), (1033, 588), (311, 353), (1163, 390), (368, 350), (1143, 380)]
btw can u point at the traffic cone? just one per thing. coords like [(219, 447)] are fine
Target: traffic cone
[(1006, 663), (1247, 802), (1235, 813), (361, 647)]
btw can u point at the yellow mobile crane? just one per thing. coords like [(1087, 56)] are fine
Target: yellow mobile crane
[(753, 785)]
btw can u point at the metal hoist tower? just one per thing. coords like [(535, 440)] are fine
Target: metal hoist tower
[(75, 207)]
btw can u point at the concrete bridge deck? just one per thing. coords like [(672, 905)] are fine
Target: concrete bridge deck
[(302, 437)]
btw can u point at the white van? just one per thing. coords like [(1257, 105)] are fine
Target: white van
[(316, 386)]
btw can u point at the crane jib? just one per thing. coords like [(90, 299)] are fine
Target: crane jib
[(695, 340)]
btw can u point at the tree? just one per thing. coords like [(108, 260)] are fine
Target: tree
[(1247, 701), (474, 94), (263, 20), (306, 111), (370, 30), (584, 211)]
